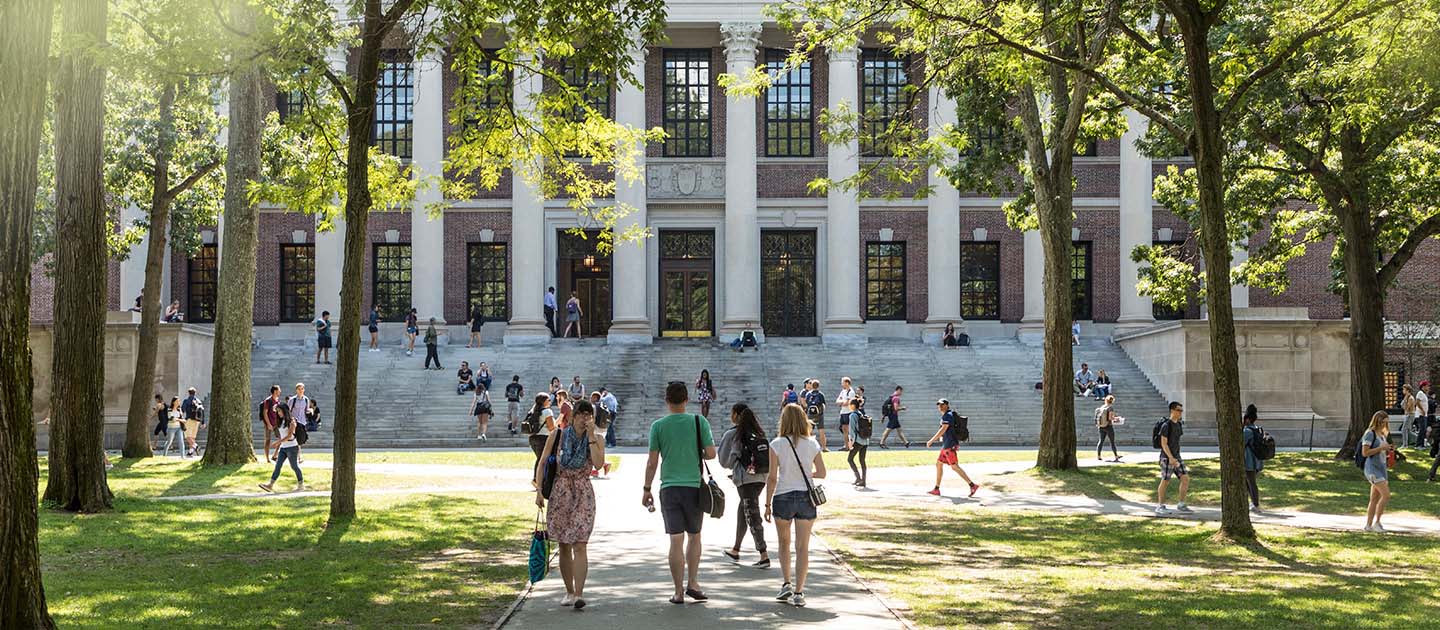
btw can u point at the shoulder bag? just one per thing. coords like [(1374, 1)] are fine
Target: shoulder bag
[(815, 491), (551, 464), (712, 498)]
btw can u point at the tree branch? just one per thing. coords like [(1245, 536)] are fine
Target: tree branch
[(193, 179), (1426, 229)]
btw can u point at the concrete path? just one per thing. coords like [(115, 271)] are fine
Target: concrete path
[(629, 582)]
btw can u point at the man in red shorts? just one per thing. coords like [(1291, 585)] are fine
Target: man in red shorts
[(953, 430)]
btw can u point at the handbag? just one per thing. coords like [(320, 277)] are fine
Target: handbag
[(483, 406), (814, 491), (539, 549), (551, 470), (712, 498)]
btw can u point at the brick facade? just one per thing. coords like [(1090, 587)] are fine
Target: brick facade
[(910, 228), (276, 229), (1012, 257), (462, 228), (1097, 225)]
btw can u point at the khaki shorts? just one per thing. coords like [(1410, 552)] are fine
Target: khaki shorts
[(192, 428)]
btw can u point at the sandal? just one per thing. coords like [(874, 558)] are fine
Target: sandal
[(698, 596), (677, 601)]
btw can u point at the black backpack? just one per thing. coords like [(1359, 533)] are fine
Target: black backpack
[(864, 426), (1263, 446), (531, 424), (754, 454), (888, 408), (961, 428), (602, 417), (1159, 430)]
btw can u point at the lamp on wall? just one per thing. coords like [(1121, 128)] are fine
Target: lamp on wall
[(589, 261)]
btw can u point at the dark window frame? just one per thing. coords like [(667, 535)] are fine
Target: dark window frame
[(789, 109), (196, 302), (988, 298), (297, 295), (394, 129), (882, 75), (289, 103), (1082, 290), (688, 122), (1090, 149), (488, 291), (392, 307), (882, 291)]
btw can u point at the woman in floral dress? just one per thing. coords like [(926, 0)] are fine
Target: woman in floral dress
[(704, 392), (571, 517)]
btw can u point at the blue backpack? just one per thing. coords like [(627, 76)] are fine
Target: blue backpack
[(791, 397)]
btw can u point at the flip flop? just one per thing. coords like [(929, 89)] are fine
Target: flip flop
[(698, 596), (677, 601)]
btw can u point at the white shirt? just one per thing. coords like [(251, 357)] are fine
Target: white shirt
[(791, 477), (545, 414), (1422, 404), (844, 399), (290, 442), (609, 402)]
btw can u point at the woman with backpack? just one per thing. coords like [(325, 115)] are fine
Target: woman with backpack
[(744, 451), (705, 392), (287, 448), (1253, 464), (572, 316), (578, 448), (481, 409), (1372, 451), (795, 462), (858, 441), (539, 422), (1105, 423)]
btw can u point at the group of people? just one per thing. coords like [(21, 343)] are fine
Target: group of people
[(179, 419), (1090, 384), (287, 423), (573, 312)]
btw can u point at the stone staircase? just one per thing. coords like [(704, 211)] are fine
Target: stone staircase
[(992, 382)]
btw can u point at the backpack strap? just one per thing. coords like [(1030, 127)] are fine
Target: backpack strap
[(803, 473)]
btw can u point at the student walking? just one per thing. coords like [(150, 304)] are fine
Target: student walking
[(704, 392), (891, 411), (550, 306), (788, 395), (287, 449), (514, 392), (842, 402), (795, 464), (954, 429), (680, 441), (1375, 447), (271, 418), (572, 316), (481, 409), (858, 440), (374, 327), (1170, 429), (194, 411), (815, 411), (1253, 464), (1105, 423), (162, 421), (571, 517), (745, 452), (322, 338), (175, 421), (542, 420), (612, 406), (477, 320), (412, 330), (432, 341)]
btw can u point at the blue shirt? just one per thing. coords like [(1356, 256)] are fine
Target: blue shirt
[(550, 299), (951, 438)]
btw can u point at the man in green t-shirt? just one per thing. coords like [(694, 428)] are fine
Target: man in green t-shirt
[(677, 443)]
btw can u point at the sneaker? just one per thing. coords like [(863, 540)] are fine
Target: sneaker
[(786, 591), (568, 600), (1254, 509), (763, 563), (1369, 528), (607, 470), (1183, 509), (934, 491), (1162, 511), (798, 600), (1378, 529), (484, 438), (267, 487), (973, 488), (579, 603), (300, 487)]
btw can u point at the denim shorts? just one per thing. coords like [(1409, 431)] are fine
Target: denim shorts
[(1374, 479), (792, 506)]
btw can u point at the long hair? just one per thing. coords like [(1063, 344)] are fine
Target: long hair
[(1380, 423), (793, 422), (746, 422), (284, 412), (705, 378), (542, 401)]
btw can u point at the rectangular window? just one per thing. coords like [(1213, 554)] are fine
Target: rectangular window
[(1081, 281), (789, 122), (297, 282), (1160, 311), (983, 137), (885, 280), (686, 98), (883, 98), (1394, 379), (289, 103), (390, 288), (394, 104), (980, 280), (487, 268), (204, 268), (592, 86)]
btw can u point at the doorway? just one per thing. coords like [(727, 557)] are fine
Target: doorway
[(687, 283), (582, 269), (787, 282)]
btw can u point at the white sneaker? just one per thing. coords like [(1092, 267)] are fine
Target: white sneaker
[(786, 591), (1254, 509), (1162, 511), (299, 487), (1378, 528), (1369, 528), (1184, 509), (798, 600), (568, 600)]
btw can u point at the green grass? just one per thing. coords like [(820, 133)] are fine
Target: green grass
[(1309, 481), (980, 568), (918, 455), (436, 561)]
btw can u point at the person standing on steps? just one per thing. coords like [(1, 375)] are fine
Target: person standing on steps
[(891, 410), (795, 464), (432, 342), (322, 338), (858, 441), (1170, 430), (611, 405), (572, 316), (550, 307), (477, 320), (746, 453), (680, 441), (412, 330), (542, 420), (704, 392), (514, 392), (481, 409), (1105, 423), (1253, 464), (954, 429), (1375, 447), (571, 517), (269, 417), (374, 327), (842, 402), (815, 411), (287, 449)]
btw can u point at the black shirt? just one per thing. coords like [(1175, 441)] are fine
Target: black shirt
[(514, 391), (1171, 431), (465, 375)]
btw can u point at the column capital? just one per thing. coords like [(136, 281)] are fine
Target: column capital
[(844, 52), (742, 40)]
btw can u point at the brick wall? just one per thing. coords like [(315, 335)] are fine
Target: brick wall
[(1096, 180), (276, 229), (910, 227), (375, 228), (461, 228), (1098, 225), (42, 291), (1309, 282), (451, 82), (1012, 257)]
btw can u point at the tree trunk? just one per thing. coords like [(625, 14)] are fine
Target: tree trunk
[(1215, 247), (1367, 325), (142, 388), (230, 440), (1057, 429), (24, 50), (77, 431)]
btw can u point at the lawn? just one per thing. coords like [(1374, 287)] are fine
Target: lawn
[(419, 560), (918, 455), (981, 568), (1308, 481)]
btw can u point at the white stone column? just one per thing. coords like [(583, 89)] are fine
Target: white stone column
[(1032, 322), (842, 230), (329, 267), (742, 232), (1239, 293), (1136, 223), (132, 269), (630, 277), (427, 235), (527, 230), (942, 228)]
